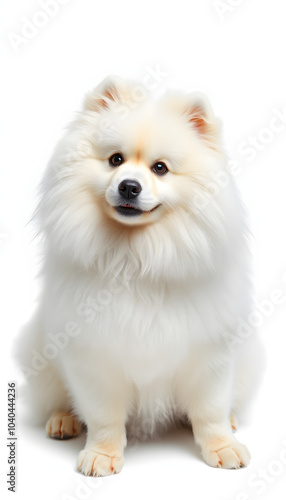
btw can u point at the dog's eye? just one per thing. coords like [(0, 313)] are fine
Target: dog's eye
[(116, 160), (159, 168)]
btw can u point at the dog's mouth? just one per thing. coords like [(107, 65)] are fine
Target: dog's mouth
[(129, 210)]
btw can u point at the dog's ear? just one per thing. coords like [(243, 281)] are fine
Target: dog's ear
[(197, 111), (111, 90), (199, 114)]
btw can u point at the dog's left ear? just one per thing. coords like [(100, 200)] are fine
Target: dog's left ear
[(199, 114)]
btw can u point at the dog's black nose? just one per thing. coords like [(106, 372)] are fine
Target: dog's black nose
[(129, 188)]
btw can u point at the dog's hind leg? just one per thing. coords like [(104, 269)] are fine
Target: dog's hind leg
[(249, 371), (44, 391)]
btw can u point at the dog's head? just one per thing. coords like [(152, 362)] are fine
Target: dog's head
[(147, 153), (134, 175)]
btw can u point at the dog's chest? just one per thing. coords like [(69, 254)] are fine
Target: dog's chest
[(149, 329), (146, 329)]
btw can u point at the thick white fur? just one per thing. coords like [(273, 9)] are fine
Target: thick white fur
[(154, 301)]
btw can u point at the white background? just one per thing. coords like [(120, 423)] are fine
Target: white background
[(236, 54)]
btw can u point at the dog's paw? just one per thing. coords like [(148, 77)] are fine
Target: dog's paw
[(226, 454), (62, 425), (93, 463)]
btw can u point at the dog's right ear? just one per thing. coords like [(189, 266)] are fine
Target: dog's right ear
[(111, 90)]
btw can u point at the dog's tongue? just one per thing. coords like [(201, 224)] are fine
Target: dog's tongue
[(127, 205)]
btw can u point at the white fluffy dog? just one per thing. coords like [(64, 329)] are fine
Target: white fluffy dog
[(146, 281)]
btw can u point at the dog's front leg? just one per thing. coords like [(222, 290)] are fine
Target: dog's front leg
[(209, 395), (104, 407), (106, 439)]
